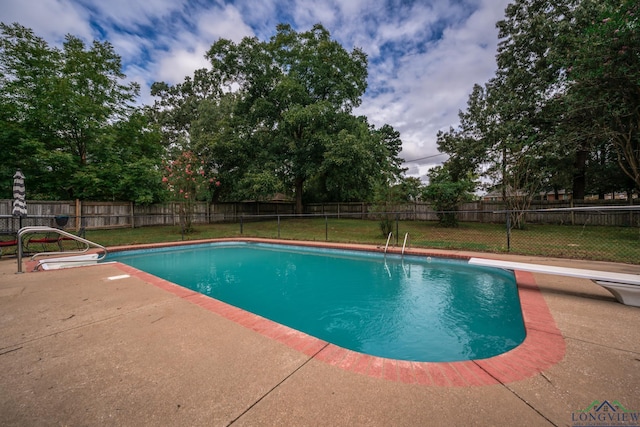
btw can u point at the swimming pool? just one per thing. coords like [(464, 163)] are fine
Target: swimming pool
[(406, 308)]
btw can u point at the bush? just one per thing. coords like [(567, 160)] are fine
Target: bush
[(386, 225), (446, 194)]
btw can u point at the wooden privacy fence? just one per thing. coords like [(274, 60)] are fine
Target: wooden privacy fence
[(96, 215), (490, 212)]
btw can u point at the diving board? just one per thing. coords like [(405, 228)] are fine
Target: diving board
[(625, 287)]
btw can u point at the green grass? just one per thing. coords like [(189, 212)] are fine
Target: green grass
[(618, 244)]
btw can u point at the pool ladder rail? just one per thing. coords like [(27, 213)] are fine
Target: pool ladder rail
[(62, 262), (404, 244), (387, 245)]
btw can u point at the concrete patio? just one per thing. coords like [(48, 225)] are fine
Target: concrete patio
[(78, 347)]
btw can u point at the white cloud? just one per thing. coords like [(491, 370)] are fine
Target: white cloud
[(178, 64), (50, 19), (186, 49), (432, 86), (225, 23), (309, 12)]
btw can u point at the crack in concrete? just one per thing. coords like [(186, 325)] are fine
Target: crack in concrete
[(517, 395), (602, 345), (277, 385)]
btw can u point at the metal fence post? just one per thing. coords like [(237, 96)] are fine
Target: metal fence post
[(326, 229), (241, 223), (278, 226), (397, 221), (508, 231)]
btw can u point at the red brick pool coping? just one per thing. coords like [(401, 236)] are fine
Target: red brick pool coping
[(542, 348)]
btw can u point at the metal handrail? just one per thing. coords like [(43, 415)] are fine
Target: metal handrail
[(387, 245), (44, 229), (406, 236)]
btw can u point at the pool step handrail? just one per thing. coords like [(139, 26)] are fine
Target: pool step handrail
[(387, 245), (62, 233), (406, 236)]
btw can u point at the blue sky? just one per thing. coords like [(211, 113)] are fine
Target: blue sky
[(424, 55)]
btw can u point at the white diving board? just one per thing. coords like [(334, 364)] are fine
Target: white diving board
[(625, 287)]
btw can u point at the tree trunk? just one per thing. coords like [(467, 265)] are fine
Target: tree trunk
[(299, 186), (579, 177)]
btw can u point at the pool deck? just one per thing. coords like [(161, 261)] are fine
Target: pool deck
[(110, 345)]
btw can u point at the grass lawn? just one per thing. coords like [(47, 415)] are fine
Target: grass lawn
[(619, 244)]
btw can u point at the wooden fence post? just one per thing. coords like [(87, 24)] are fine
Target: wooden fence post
[(78, 215)]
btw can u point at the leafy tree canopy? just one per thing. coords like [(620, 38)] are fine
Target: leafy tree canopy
[(602, 61), (446, 192), (563, 110), (68, 121), (268, 117), (276, 116)]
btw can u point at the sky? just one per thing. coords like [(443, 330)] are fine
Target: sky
[(424, 55)]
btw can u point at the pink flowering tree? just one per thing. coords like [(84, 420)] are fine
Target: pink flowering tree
[(187, 182)]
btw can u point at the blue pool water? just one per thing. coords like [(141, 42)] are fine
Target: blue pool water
[(411, 308)]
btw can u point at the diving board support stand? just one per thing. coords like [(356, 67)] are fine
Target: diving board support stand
[(625, 287)]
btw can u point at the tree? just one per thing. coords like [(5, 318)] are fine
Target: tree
[(177, 108), (491, 143), (563, 110), (509, 131), (125, 165), (522, 97), (603, 80), (64, 114), (296, 93), (27, 81), (473, 144), (187, 182), (411, 189), (447, 192), (356, 162), (276, 117), (605, 174)]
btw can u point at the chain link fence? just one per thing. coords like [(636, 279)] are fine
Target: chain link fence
[(588, 234), (602, 233)]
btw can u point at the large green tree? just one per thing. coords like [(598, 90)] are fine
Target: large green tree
[(276, 116), (506, 132), (177, 108), (562, 110), (68, 119), (523, 143), (446, 191), (602, 63), (296, 96)]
